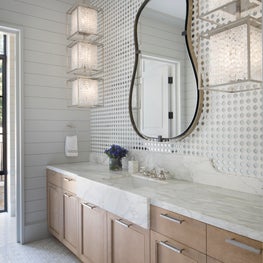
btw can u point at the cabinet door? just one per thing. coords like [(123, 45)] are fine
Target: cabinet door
[(54, 201), (127, 243), (70, 221), (93, 234), (166, 250)]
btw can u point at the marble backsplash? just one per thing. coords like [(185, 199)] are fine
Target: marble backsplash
[(189, 168)]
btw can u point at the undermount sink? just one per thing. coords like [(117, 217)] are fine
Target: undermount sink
[(134, 181), (116, 192), (98, 172), (129, 181), (115, 195)]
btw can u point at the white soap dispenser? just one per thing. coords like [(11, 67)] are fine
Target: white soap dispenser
[(133, 166)]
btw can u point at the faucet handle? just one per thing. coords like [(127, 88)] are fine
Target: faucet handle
[(163, 174), (153, 173)]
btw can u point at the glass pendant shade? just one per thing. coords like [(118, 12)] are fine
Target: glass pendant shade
[(84, 20), (84, 57), (84, 92), (234, 55), (225, 11)]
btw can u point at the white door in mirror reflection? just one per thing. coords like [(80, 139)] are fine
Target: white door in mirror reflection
[(159, 97)]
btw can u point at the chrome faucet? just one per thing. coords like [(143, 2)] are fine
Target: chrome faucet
[(160, 174)]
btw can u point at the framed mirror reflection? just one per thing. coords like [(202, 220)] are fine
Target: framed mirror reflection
[(164, 98)]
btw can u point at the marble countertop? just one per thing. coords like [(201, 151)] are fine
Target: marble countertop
[(234, 211)]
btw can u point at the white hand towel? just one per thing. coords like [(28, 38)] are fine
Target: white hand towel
[(71, 146)]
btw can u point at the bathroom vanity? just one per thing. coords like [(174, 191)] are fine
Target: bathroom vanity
[(112, 217)]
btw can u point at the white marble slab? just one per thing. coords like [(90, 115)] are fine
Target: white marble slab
[(199, 169), (234, 211), (133, 207), (109, 190), (130, 197)]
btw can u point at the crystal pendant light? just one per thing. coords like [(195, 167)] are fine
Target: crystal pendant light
[(234, 56), (85, 54), (83, 57), (84, 92), (83, 20)]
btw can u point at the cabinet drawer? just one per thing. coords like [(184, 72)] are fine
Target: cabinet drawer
[(164, 249), (232, 248), (69, 184), (54, 177), (180, 228)]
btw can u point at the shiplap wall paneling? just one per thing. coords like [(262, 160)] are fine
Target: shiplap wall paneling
[(46, 113)]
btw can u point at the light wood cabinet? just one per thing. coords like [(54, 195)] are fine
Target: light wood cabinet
[(229, 247), (90, 232), (127, 243), (54, 204), (212, 260), (179, 238), (180, 228), (54, 201), (70, 221), (93, 233), (97, 236), (176, 238), (68, 184), (166, 250), (63, 209)]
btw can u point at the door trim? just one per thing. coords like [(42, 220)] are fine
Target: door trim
[(4, 122)]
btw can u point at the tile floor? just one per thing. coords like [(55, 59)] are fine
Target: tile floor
[(43, 251)]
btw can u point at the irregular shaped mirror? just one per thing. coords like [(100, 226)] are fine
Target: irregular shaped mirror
[(164, 99)]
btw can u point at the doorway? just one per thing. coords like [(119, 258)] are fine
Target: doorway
[(11, 123), (3, 127), (160, 97)]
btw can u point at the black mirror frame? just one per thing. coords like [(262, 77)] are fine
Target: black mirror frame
[(200, 93)]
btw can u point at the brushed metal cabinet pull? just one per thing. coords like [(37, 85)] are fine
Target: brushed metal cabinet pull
[(68, 195), (89, 206), (175, 220), (122, 223), (243, 246), (175, 249), (68, 179)]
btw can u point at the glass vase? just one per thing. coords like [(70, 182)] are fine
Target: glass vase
[(115, 164)]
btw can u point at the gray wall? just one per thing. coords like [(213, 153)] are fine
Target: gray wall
[(46, 113)]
